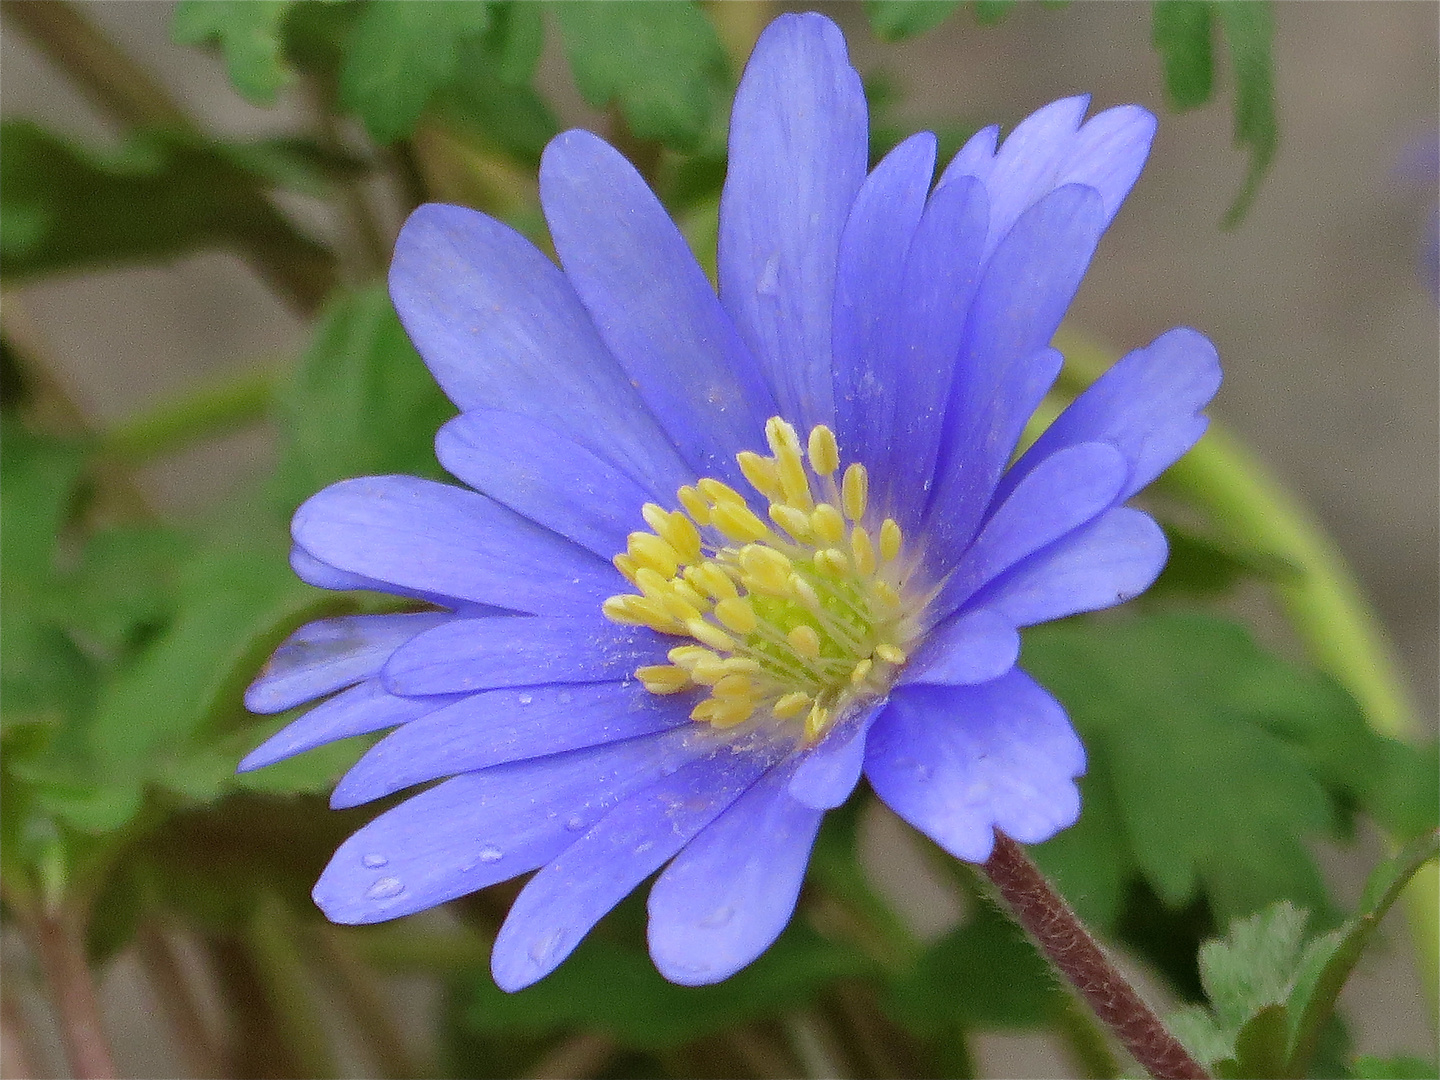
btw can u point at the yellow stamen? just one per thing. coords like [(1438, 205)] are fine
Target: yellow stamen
[(854, 491), (736, 614), (827, 523), (737, 522), (694, 504), (762, 473), (805, 641), (890, 653), (824, 451), (862, 551), (791, 704), (890, 539), (663, 679)]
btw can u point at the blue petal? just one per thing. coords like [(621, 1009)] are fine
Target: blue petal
[(1147, 406), (825, 774), (546, 477), (868, 279), (652, 304), (1063, 492), (465, 655), (728, 895), (560, 904), (942, 272), (971, 648), (322, 575), (1004, 366), (1049, 149), (417, 534), (798, 148), (324, 656), (958, 762), (358, 711), (501, 328), (501, 726), (1104, 563), (484, 827)]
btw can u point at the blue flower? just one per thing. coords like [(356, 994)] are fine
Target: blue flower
[(719, 555)]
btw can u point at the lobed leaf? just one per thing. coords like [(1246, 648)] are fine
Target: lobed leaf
[(661, 65), (1249, 28), (249, 33)]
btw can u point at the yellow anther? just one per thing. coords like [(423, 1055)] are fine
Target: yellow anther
[(712, 580), (832, 561), (891, 654), (688, 656), (627, 566), (663, 679), (765, 568), (685, 591), (816, 722), (862, 551), (694, 504), (742, 665), (715, 492), (736, 614), (648, 550), (824, 451), (709, 671), (855, 491), (710, 634), (890, 538), (732, 712), (886, 594), (639, 611), (861, 671), (654, 516), (805, 641), (827, 523), (791, 704), (737, 522), (652, 583), (760, 471), (803, 591), (782, 437), (680, 533), (793, 521), (735, 685)]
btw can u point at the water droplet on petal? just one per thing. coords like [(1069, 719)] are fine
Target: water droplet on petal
[(386, 888), (525, 699), (640, 849), (374, 861), (564, 697), (575, 823), (769, 283), (491, 854), (719, 917), (544, 946)]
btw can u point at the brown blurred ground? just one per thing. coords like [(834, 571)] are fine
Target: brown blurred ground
[(1328, 338)]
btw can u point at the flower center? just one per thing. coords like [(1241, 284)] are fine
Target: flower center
[(800, 617)]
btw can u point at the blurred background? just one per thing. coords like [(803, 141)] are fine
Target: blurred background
[(1317, 303)]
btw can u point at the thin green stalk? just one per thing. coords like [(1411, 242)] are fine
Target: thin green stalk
[(271, 942), (1324, 601), (207, 411)]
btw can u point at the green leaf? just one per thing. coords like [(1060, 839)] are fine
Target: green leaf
[(249, 33), (1330, 959), (1249, 28), (1180, 32), (1201, 566), (606, 987), (163, 195), (659, 63), (1259, 1047), (124, 586), (1218, 756), (400, 54), (985, 974), (992, 12), (1252, 966), (515, 40), (1197, 1031), (1400, 1067), (1405, 799), (896, 20), (361, 400)]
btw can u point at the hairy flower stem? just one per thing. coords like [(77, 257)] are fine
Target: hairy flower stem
[(58, 938), (1061, 936)]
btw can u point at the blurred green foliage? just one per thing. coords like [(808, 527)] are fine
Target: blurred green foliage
[(127, 637)]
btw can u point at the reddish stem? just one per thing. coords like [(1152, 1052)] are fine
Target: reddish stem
[(1061, 936), (59, 942)]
